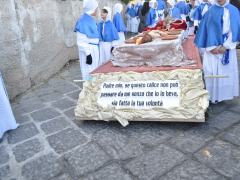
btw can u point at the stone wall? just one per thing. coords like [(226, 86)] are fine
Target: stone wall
[(37, 39)]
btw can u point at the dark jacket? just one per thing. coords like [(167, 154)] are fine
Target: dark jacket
[(235, 3)]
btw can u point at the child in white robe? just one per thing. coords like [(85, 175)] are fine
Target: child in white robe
[(108, 35), (153, 16), (118, 22), (132, 19)]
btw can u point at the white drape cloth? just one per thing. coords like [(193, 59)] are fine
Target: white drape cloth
[(7, 120)]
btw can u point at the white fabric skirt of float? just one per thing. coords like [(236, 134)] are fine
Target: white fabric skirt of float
[(192, 98)]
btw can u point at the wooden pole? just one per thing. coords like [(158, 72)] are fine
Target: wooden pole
[(216, 76)]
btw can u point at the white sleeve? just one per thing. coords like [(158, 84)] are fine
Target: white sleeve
[(115, 43), (83, 43), (211, 48), (195, 22), (228, 44), (183, 16)]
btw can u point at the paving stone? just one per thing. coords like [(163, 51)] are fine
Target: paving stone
[(111, 172), (118, 145), (28, 95), (79, 84), (20, 119), (222, 157), (237, 177), (74, 95), (28, 105), (63, 104), (4, 137), (233, 135), (45, 114), (91, 127), (191, 170), (134, 128), (42, 168), (63, 86), (224, 120), (23, 132), (155, 163), (51, 97), (27, 150), (66, 140), (86, 159), (4, 172), (169, 129), (194, 138), (235, 108), (71, 70), (215, 109), (43, 90), (54, 125), (4, 156), (148, 137), (70, 113), (234, 102), (62, 177)]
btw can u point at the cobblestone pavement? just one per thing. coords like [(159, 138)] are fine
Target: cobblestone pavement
[(50, 144)]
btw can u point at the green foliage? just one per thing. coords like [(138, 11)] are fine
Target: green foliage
[(125, 1)]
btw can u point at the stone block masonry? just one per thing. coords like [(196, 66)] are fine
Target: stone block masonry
[(37, 40)]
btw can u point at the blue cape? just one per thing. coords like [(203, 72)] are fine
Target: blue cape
[(110, 32), (183, 7), (198, 12), (137, 9), (176, 13), (119, 23), (211, 27), (151, 17), (161, 5), (87, 25), (131, 11)]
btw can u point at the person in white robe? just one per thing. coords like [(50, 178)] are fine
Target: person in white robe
[(161, 7), (153, 16), (88, 39), (109, 37), (180, 10), (190, 18), (198, 14), (7, 120), (132, 19), (218, 33), (128, 17), (118, 22)]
